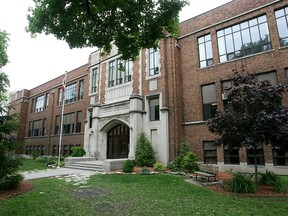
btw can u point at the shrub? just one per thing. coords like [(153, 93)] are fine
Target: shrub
[(144, 152), (280, 186), (172, 167), (158, 166), (42, 159), (10, 182), (188, 163), (35, 154), (128, 166), (145, 171), (241, 184), (268, 178), (78, 152), (184, 149)]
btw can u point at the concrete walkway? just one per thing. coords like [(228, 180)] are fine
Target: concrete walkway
[(55, 172)]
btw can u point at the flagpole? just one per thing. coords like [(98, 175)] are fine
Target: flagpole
[(62, 114)]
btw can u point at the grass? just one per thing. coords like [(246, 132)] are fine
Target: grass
[(134, 195), (30, 165)]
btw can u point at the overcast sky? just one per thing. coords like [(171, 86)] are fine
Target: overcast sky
[(33, 61)]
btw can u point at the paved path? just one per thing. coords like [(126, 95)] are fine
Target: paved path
[(55, 172)]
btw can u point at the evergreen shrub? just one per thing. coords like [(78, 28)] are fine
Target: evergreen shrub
[(144, 152), (78, 151), (128, 166)]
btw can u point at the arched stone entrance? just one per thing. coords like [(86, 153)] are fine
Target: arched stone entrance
[(118, 142)]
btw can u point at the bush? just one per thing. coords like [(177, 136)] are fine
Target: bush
[(10, 182), (158, 166), (280, 186), (268, 178), (144, 152), (145, 171), (172, 167), (241, 184), (128, 166), (184, 149), (188, 163), (78, 152), (35, 154)]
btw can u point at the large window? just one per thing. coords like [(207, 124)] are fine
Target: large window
[(154, 109), (78, 123), (70, 94), (244, 39), (40, 103), (231, 156), (259, 156), (119, 72), (68, 123), (210, 152), (37, 128), (205, 51), (209, 101), (282, 25), (153, 61), (280, 157), (94, 80)]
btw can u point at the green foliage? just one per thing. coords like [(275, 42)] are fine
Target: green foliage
[(172, 166), (280, 185), (144, 171), (35, 154), (268, 178), (189, 162), (128, 166), (158, 166), (78, 151), (241, 183), (144, 155), (3, 48), (131, 25), (10, 182)]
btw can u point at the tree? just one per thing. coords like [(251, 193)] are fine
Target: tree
[(144, 155), (130, 24), (257, 116), (8, 124)]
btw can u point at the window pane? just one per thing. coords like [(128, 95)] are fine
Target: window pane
[(272, 77), (202, 55), (221, 46), (246, 37), (237, 40), (209, 53), (282, 27), (229, 43), (209, 94), (255, 34)]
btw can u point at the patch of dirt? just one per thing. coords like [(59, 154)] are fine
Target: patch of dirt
[(262, 190), (22, 188), (88, 192)]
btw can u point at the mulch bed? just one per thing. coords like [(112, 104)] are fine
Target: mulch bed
[(22, 188)]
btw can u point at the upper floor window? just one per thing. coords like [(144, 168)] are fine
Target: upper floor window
[(37, 128), (153, 61), (81, 90), (47, 101), (70, 94), (154, 109), (244, 39), (40, 103), (205, 51), (94, 80), (68, 123), (119, 72), (209, 101), (282, 25)]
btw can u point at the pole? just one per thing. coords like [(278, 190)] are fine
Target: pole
[(61, 132)]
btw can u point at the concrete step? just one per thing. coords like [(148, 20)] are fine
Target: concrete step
[(87, 165), (85, 168)]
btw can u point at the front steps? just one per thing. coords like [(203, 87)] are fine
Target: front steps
[(96, 166)]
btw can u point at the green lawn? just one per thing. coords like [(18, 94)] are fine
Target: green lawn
[(134, 195), (30, 164)]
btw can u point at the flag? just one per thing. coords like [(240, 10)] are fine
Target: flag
[(64, 82)]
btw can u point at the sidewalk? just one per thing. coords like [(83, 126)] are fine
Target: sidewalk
[(55, 172)]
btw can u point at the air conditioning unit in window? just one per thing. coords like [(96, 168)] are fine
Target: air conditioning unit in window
[(225, 96)]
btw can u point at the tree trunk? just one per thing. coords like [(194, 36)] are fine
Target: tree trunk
[(255, 165)]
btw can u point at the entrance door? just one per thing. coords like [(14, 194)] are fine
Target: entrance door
[(118, 142)]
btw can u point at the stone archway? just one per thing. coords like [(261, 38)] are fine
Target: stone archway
[(118, 142)]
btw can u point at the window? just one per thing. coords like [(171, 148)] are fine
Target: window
[(40, 103), (154, 109), (119, 72), (231, 156), (153, 61), (244, 39), (271, 76), (32, 105), (44, 126), (205, 51), (37, 128), (259, 156), (90, 118), (68, 123), (78, 123), (280, 156), (57, 125), (209, 101), (226, 86), (30, 129), (70, 93), (210, 152), (47, 101), (94, 80), (81, 90), (282, 25)]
